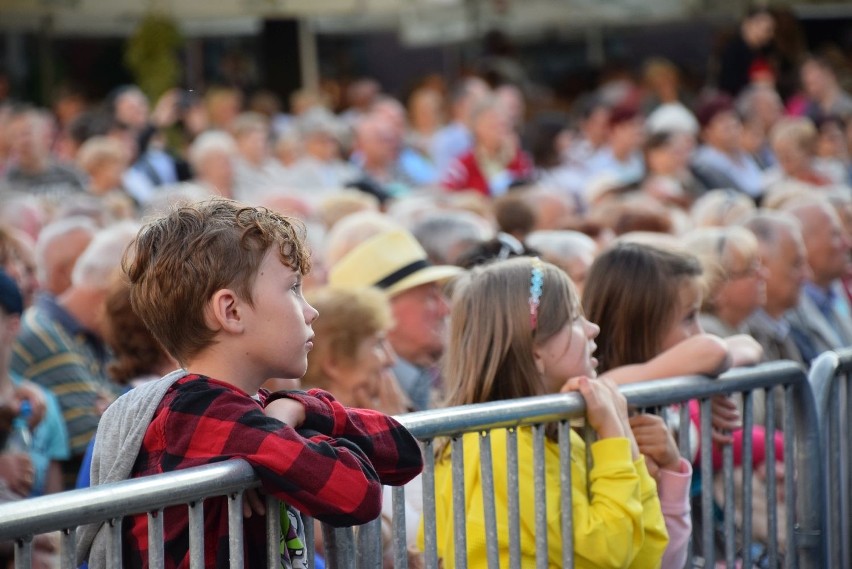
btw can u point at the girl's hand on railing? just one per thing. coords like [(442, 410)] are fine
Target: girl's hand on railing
[(744, 350), (655, 443), (725, 417), (601, 406)]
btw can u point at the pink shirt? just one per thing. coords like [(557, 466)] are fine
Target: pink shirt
[(673, 489)]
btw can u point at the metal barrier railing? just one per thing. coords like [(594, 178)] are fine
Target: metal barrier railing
[(362, 547), (831, 380), (109, 503), (803, 487)]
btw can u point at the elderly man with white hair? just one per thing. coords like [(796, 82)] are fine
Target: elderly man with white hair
[(821, 320), (321, 168), (59, 345), (59, 246), (211, 157)]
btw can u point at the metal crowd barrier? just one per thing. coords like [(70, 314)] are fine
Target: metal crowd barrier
[(109, 503), (831, 380), (362, 547), (802, 450)]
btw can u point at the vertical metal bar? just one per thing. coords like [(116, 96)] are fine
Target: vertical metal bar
[(809, 498), (235, 530), (684, 422), (729, 505), (156, 555), (310, 540), (400, 538), (514, 498), (566, 490), (540, 498), (846, 475), (459, 502), (748, 473), (771, 492), (114, 542), (24, 552), (792, 553), (430, 538), (707, 521), (330, 546), (487, 472), (68, 548), (685, 447), (195, 513), (368, 550), (339, 547), (833, 446), (588, 439), (273, 531)]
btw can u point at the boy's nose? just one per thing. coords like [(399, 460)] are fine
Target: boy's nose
[(311, 314)]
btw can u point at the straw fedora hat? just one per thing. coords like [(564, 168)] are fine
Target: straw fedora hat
[(392, 261)]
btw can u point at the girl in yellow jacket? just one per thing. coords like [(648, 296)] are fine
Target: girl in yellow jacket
[(517, 330)]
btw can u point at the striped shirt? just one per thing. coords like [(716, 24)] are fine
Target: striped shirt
[(56, 352)]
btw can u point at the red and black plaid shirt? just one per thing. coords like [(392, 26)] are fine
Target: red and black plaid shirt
[(333, 468)]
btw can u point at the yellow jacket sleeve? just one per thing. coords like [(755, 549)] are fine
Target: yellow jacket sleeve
[(656, 535)]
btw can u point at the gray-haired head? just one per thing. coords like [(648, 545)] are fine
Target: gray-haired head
[(445, 235), (103, 256), (58, 247)]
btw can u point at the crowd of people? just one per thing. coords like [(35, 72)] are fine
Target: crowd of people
[(464, 248)]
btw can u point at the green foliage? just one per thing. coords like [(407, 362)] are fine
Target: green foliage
[(151, 55)]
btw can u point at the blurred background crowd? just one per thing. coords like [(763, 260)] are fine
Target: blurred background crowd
[(750, 167)]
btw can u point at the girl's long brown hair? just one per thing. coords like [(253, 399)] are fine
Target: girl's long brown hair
[(632, 292), (490, 352)]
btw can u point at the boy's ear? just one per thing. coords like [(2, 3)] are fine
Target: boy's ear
[(225, 312)]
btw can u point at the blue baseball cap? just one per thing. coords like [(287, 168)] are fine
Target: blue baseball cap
[(11, 300)]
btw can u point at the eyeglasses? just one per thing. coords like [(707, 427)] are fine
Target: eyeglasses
[(752, 270)]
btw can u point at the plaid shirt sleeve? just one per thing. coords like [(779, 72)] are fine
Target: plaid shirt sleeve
[(393, 452), (325, 471)]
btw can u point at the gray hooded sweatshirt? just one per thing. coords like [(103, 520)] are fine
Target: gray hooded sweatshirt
[(118, 440)]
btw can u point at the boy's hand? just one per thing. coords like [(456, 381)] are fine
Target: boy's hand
[(253, 503), (288, 411), (601, 410), (725, 417), (655, 442)]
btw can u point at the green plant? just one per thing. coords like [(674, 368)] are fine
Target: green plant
[(152, 55)]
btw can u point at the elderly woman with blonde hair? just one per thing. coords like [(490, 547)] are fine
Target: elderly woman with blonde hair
[(721, 207), (736, 279), (351, 358)]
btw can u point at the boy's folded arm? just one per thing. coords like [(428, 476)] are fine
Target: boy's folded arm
[(391, 449), (329, 478)]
